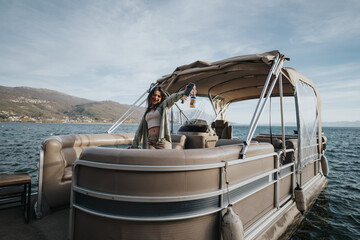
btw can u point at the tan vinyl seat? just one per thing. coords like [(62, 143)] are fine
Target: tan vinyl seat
[(200, 141), (178, 141), (222, 129), (59, 154)]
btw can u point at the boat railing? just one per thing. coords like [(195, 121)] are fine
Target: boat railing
[(38, 204), (81, 196)]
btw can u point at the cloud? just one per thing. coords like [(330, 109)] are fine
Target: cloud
[(78, 42), (339, 87), (317, 22), (114, 49)]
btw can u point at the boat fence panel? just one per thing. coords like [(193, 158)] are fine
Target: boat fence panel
[(309, 171), (246, 191)]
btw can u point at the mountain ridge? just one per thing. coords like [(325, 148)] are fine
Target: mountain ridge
[(26, 104)]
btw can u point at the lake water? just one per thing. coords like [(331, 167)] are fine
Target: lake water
[(335, 215)]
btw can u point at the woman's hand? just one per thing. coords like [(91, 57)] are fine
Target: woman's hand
[(193, 91)]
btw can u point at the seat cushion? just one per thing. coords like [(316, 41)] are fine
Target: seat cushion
[(178, 141), (195, 141), (67, 173)]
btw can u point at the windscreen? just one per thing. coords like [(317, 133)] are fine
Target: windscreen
[(202, 110), (307, 123)]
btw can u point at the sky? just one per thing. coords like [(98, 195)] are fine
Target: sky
[(114, 49)]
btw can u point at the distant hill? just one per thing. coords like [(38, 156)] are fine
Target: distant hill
[(25, 104), (342, 124)]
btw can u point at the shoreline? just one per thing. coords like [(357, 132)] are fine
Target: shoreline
[(70, 123), (238, 125)]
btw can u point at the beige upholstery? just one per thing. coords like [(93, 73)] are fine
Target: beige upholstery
[(59, 154), (277, 143), (291, 142), (166, 183), (67, 173), (222, 129), (141, 184), (195, 141), (178, 141), (223, 142), (200, 141)]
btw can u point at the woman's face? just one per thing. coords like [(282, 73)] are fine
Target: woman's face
[(156, 97)]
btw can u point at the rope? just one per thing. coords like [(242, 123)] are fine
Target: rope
[(227, 183)]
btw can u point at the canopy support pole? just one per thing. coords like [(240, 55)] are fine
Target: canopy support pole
[(276, 62), (274, 71), (130, 110), (282, 115)]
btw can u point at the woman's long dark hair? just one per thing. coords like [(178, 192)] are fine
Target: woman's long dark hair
[(149, 105)]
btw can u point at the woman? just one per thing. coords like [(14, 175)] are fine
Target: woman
[(153, 129)]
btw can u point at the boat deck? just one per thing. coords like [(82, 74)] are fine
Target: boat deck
[(53, 226)]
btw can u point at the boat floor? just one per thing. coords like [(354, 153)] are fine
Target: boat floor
[(52, 226)]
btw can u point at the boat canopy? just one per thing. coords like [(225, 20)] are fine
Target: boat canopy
[(244, 78), (233, 79), (255, 76)]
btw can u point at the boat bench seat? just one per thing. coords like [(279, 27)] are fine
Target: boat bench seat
[(223, 129), (276, 142), (67, 173), (178, 141), (200, 141), (290, 143), (59, 154), (293, 156), (223, 142)]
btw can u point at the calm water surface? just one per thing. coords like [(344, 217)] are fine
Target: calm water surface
[(335, 215)]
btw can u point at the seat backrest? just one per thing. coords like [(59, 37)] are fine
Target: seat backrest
[(59, 153), (222, 129), (178, 141), (195, 141)]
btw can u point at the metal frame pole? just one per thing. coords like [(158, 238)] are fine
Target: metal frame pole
[(282, 113), (132, 108), (38, 205), (121, 120), (275, 70), (299, 129), (257, 113), (251, 133), (72, 200), (276, 61), (182, 112)]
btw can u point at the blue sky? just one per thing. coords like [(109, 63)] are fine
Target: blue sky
[(113, 50)]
